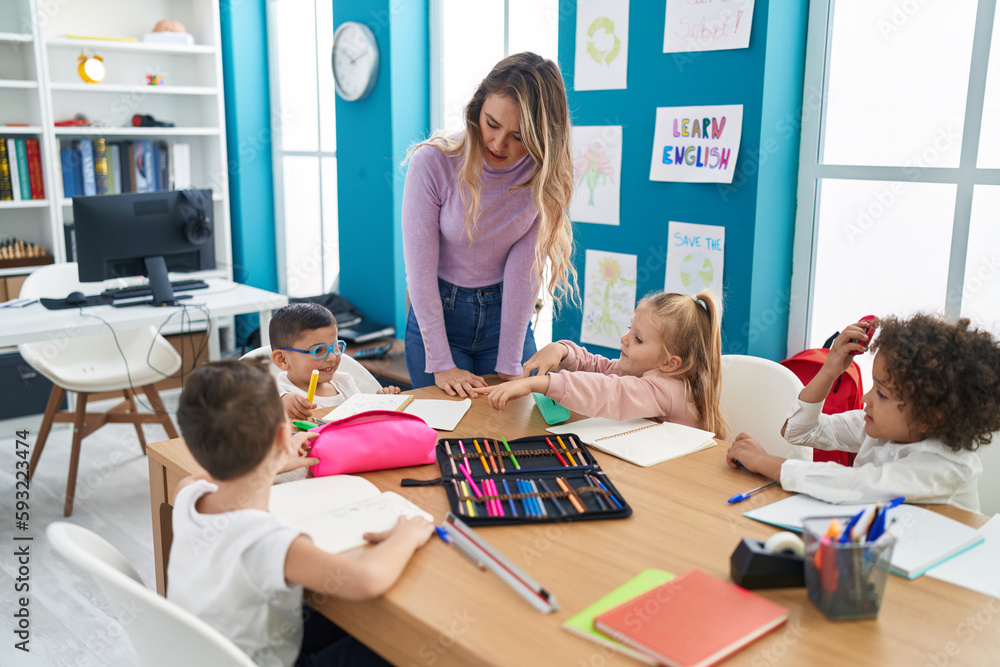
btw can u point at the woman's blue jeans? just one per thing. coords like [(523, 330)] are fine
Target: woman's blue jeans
[(472, 320)]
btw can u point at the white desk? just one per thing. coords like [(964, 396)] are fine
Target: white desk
[(222, 299)]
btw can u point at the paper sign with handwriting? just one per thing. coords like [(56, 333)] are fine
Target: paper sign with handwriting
[(597, 169), (707, 25), (696, 144), (694, 258)]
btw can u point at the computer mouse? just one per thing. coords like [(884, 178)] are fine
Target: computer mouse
[(76, 298)]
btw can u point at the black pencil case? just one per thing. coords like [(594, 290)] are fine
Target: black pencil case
[(531, 470)]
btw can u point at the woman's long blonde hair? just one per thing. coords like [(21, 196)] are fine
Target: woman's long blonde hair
[(536, 85), (690, 327)]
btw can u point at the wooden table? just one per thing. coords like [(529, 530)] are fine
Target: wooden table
[(444, 611)]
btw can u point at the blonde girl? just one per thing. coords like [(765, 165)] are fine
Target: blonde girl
[(669, 368), (484, 212)]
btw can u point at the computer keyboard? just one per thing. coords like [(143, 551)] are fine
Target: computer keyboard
[(134, 291)]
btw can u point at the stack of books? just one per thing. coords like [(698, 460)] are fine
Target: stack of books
[(20, 169), (693, 620), (99, 167)]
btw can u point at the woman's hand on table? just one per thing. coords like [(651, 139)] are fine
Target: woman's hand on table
[(458, 382)]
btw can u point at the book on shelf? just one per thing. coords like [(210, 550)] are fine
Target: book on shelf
[(927, 539), (643, 442), (164, 180), (693, 620), (6, 189), (582, 623), (114, 169), (125, 166), (101, 166), (35, 169), (180, 165), (87, 173), (23, 177), (142, 166), (336, 511), (15, 180)]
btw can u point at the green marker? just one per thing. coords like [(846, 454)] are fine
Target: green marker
[(303, 426), (512, 457)]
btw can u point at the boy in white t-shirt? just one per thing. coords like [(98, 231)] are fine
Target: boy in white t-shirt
[(304, 339), (242, 569)]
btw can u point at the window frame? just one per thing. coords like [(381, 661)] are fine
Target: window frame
[(812, 169)]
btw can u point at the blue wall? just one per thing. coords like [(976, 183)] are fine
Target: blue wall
[(757, 210), (372, 137), (248, 144)]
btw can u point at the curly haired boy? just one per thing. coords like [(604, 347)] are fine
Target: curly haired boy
[(935, 400)]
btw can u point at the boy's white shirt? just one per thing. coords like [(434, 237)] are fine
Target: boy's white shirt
[(229, 570), (927, 471), (342, 382)]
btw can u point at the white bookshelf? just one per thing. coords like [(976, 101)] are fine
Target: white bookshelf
[(39, 85)]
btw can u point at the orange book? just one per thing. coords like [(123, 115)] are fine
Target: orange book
[(693, 620)]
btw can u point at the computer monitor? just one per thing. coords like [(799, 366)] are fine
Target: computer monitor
[(147, 233)]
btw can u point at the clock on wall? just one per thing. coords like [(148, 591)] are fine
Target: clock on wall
[(354, 60)]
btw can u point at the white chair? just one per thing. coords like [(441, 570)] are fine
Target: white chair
[(122, 362), (989, 481), (362, 377), (162, 633), (756, 395)]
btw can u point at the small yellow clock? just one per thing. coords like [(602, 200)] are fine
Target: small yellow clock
[(92, 69)]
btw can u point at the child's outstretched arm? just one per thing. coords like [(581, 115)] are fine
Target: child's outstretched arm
[(366, 576), (546, 360), (501, 393), (750, 454)]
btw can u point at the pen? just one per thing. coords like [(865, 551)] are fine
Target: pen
[(313, 379), (512, 458), (562, 444), (743, 496), (443, 534)]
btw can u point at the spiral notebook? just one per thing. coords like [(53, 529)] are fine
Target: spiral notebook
[(639, 441)]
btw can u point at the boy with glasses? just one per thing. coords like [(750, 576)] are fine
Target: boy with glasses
[(304, 339)]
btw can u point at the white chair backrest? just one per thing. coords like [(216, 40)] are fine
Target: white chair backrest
[(162, 633), (989, 481), (756, 395), (55, 281), (362, 377)]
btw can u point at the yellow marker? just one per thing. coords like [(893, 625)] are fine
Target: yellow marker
[(311, 394), (468, 503), (566, 449)]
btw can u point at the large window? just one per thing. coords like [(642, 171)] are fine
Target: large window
[(304, 145), (467, 40), (899, 177)]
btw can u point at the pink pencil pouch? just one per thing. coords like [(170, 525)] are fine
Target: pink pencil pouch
[(373, 440)]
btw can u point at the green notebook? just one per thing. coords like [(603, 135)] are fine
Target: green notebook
[(582, 624)]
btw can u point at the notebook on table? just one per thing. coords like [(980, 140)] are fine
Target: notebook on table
[(639, 441), (582, 623), (693, 620), (928, 538), (336, 511), (359, 403), (440, 414)]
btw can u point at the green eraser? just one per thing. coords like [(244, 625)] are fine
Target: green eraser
[(552, 412)]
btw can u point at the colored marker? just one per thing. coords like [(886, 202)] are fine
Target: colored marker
[(512, 457), (465, 492), (313, 379), (472, 483), (566, 450), (558, 455), (303, 426)]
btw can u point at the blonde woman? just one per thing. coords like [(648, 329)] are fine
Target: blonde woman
[(483, 212)]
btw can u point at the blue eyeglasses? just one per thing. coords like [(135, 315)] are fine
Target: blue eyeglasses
[(321, 351)]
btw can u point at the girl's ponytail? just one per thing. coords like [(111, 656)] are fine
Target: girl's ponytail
[(711, 411)]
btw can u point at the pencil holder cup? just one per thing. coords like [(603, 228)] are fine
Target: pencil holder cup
[(845, 580)]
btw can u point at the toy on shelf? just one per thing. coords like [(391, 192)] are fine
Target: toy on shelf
[(15, 253), (154, 80), (91, 68), (79, 120), (145, 120), (169, 31)]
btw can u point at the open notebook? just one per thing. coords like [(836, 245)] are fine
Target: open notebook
[(928, 538), (336, 511), (639, 441), (439, 414)]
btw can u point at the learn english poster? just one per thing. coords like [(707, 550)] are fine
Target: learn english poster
[(696, 144)]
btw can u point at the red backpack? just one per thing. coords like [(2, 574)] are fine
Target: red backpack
[(845, 395)]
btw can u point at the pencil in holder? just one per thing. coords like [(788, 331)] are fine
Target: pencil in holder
[(845, 580)]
